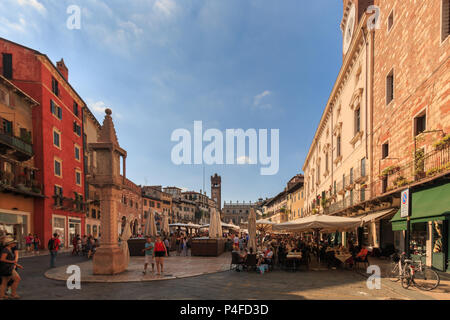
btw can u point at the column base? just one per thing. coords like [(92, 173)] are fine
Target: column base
[(109, 261)]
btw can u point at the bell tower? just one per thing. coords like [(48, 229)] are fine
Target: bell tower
[(216, 190), (352, 14)]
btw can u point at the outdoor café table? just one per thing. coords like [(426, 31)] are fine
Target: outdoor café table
[(294, 257), (343, 257)]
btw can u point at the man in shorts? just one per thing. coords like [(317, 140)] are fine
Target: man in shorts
[(148, 250)]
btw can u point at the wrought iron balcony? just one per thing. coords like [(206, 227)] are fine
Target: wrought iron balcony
[(20, 183), (18, 148)]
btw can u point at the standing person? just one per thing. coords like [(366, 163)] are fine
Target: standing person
[(236, 242), (29, 242), (75, 245), (167, 244), (8, 265), (36, 243), (83, 244), (185, 248), (241, 243), (53, 247), (160, 253), (148, 250), (178, 244), (189, 245)]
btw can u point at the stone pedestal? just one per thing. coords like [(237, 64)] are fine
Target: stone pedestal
[(109, 261), (109, 258)]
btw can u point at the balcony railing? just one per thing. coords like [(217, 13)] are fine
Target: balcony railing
[(20, 182), (75, 204), (424, 166), (360, 175), (23, 149)]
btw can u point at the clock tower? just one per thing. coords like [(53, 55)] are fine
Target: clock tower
[(216, 190), (353, 11)]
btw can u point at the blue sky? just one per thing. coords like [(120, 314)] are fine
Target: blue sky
[(162, 64)]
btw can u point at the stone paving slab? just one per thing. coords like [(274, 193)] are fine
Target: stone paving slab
[(175, 267)]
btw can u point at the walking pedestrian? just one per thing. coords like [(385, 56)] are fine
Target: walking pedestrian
[(36, 244), (167, 244), (75, 245), (160, 253), (53, 247), (29, 242), (178, 244), (189, 245), (185, 248), (8, 266), (148, 250)]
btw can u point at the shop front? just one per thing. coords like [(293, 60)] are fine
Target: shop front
[(16, 223), (429, 228)]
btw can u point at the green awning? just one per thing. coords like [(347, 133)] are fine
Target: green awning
[(427, 205), (398, 225)]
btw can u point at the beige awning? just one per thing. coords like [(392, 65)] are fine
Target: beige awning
[(377, 215), (319, 222)]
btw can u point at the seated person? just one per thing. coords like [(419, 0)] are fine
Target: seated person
[(268, 255), (243, 255), (361, 256)]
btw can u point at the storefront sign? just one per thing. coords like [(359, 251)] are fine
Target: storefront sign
[(405, 200)]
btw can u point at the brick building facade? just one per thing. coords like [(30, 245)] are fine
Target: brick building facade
[(57, 139)]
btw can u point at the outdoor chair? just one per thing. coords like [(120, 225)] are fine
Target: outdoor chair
[(250, 262), (365, 262), (236, 260)]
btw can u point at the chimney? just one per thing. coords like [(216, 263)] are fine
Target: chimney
[(63, 69)]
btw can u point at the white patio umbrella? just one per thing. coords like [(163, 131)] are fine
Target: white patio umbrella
[(252, 230), (150, 227), (126, 234), (215, 225), (165, 224), (146, 230)]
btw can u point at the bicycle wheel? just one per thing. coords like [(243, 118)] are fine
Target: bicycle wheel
[(393, 274), (426, 280), (406, 278)]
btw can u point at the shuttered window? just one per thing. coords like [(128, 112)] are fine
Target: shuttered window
[(445, 19), (390, 87), (55, 88), (7, 66)]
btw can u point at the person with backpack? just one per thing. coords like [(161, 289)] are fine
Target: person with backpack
[(53, 247)]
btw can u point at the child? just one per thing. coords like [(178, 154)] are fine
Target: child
[(149, 246)]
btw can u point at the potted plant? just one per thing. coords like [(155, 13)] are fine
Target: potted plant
[(419, 160), (443, 143)]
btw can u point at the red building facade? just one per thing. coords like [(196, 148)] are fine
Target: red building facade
[(57, 140)]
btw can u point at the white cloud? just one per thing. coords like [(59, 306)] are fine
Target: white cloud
[(258, 99), (34, 4), (99, 107), (243, 160), (167, 7), (6, 25)]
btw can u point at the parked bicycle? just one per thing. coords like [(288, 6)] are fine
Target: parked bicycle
[(413, 273)]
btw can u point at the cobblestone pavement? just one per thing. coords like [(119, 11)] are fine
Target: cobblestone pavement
[(332, 284)]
